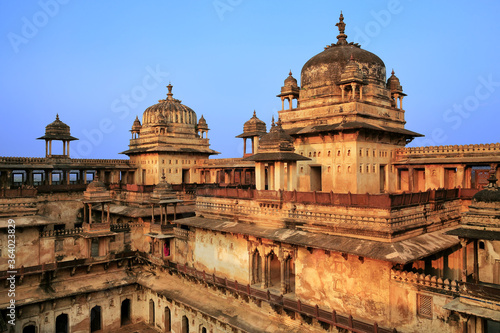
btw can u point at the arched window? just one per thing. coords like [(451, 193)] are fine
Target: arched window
[(151, 312), (30, 328), (62, 323), (95, 319), (168, 317), (185, 325), (125, 312)]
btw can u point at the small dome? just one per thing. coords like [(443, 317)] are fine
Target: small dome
[(57, 127), (490, 194), (96, 186), (163, 190), (351, 73), (136, 126), (254, 125), (202, 123), (169, 110), (277, 140), (393, 83), (290, 81)]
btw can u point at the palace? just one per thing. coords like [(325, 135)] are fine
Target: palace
[(327, 222)]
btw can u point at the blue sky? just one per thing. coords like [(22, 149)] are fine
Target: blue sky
[(100, 63)]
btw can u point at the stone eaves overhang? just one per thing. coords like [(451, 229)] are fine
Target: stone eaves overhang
[(250, 134), (401, 252), (456, 159), (136, 212), (276, 156), (470, 233), (27, 221), (169, 149), (353, 125)]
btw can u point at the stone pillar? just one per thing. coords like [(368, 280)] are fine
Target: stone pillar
[(50, 177), (292, 176), (290, 101), (152, 214), (463, 243), (85, 220), (90, 213), (401, 102), (260, 176), (255, 145), (279, 175), (411, 179), (244, 146), (353, 92), (461, 176), (46, 148), (64, 147), (476, 262), (282, 276), (50, 147), (107, 219), (264, 273), (282, 103), (102, 212), (67, 150), (29, 177), (342, 90), (361, 92), (270, 177)]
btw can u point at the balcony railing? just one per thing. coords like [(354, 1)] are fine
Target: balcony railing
[(384, 201)]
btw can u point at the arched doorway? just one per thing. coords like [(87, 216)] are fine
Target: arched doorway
[(31, 328), (185, 325), (274, 271), (62, 323), (256, 267), (125, 312), (168, 325), (95, 319), (151, 312)]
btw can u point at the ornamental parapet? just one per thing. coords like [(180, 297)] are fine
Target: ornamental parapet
[(491, 148), (426, 280)]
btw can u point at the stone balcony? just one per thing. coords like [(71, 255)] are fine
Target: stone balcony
[(386, 217), (96, 227), (162, 229)]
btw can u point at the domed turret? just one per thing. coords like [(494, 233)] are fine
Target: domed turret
[(254, 126), (396, 90), (393, 83), (57, 130), (136, 128), (277, 140), (491, 193), (289, 91), (202, 127), (327, 67)]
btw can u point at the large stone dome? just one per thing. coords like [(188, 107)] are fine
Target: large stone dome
[(326, 67), (168, 111)]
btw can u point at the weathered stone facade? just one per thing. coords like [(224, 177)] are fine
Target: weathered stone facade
[(328, 224)]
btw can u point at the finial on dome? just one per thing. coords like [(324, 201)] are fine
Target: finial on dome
[(392, 71), (169, 87), (492, 181), (279, 122), (342, 37), (272, 121), (290, 74), (57, 116), (254, 114)]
